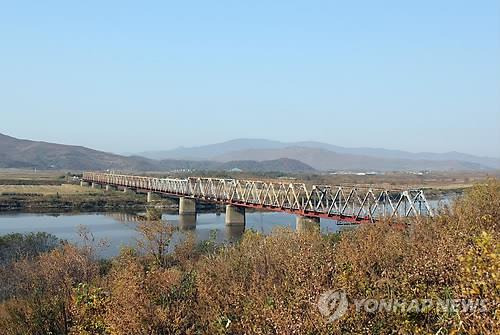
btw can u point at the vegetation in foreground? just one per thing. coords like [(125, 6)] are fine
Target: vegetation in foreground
[(268, 284)]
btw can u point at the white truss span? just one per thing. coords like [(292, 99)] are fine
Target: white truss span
[(335, 202)]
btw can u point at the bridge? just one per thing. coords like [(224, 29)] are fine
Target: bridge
[(345, 204)]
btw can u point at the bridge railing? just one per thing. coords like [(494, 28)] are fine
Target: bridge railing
[(362, 203)]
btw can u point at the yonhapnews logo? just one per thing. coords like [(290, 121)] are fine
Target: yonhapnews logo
[(333, 304)]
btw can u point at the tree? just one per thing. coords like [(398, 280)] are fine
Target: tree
[(155, 237)]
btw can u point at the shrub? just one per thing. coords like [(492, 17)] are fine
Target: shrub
[(42, 290), (17, 246)]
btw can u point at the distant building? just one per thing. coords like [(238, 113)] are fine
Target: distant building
[(287, 178)]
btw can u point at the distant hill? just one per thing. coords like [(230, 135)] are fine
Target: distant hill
[(18, 153), (325, 160), (280, 164), (210, 151), (487, 162), (323, 156), (273, 165)]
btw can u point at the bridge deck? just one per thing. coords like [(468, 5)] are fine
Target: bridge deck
[(346, 204)]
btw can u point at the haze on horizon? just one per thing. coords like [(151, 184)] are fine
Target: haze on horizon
[(125, 77)]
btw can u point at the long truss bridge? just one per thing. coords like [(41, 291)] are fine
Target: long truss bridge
[(347, 204)]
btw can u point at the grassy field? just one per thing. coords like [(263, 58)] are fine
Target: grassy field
[(30, 174), (30, 177), (58, 191), (63, 189)]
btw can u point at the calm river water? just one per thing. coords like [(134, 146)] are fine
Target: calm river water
[(119, 229)]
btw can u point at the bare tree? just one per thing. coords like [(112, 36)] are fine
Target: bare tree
[(155, 236)]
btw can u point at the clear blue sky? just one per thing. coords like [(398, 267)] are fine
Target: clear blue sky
[(131, 76)]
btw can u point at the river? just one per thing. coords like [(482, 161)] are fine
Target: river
[(119, 229)]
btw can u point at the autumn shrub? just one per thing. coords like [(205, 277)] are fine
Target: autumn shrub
[(480, 279), (129, 310), (147, 299), (265, 284), (88, 310), (14, 247), (42, 290)]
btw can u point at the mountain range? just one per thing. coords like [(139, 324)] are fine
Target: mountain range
[(255, 155), (323, 156), (19, 153)]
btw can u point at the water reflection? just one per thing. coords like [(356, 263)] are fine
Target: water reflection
[(187, 222), (234, 233), (119, 229), (125, 217)]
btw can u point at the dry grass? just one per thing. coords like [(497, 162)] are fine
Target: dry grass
[(29, 174), (64, 189)]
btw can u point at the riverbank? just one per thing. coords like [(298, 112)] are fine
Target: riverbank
[(73, 197), (65, 197)]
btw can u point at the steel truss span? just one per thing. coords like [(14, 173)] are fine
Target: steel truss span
[(346, 204)]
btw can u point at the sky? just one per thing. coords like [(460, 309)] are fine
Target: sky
[(130, 76)]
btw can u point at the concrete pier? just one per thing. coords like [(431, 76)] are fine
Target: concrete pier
[(306, 224), (150, 197), (94, 185), (82, 183), (108, 187), (125, 190), (187, 206), (235, 215)]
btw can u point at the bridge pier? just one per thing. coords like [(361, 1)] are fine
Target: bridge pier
[(125, 190), (235, 215), (149, 197), (187, 206), (108, 188), (307, 224), (82, 183), (94, 185)]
